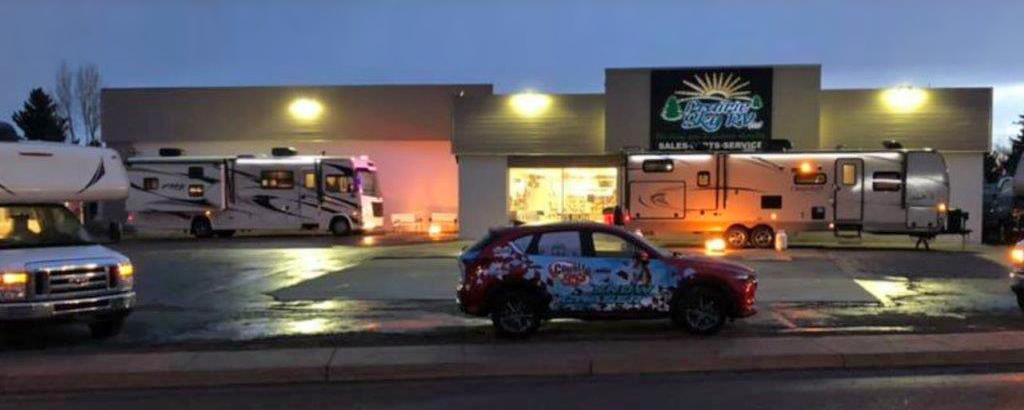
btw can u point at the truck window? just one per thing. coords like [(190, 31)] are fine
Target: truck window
[(28, 226), (658, 165), (817, 178), (886, 181), (277, 179), (150, 184)]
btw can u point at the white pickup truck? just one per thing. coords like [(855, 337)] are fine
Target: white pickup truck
[(50, 268)]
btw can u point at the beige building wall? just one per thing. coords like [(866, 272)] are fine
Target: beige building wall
[(483, 182), (795, 91), (569, 124)]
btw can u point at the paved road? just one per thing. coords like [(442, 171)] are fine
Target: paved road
[(933, 389), (309, 290)]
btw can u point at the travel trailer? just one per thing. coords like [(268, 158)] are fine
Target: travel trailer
[(50, 268), (219, 195), (750, 196)]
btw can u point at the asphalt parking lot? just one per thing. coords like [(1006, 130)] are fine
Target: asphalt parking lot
[(316, 290)]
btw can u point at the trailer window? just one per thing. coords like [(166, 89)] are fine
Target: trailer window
[(150, 184), (817, 178), (703, 179), (849, 174), (195, 190), (195, 172), (886, 181), (309, 180), (658, 165), (771, 202), (277, 179), (339, 183)]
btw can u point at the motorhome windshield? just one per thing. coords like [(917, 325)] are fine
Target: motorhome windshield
[(31, 226), (368, 179)]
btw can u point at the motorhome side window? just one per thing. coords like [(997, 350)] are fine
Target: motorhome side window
[(703, 179), (338, 183), (886, 181), (277, 179), (816, 178), (150, 184), (309, 180), (195, 172), (658, 165)]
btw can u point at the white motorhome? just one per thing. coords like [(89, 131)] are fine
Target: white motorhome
[(750, 196), (50, 268), (219, 195)]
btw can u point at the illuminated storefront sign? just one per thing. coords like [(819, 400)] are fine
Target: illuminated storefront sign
[(561, 194), (711, 109)]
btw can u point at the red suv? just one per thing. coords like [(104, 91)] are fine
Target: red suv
[(521, 276)]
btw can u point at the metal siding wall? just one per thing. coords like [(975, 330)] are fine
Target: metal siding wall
[(795, 113), (398, 112), (965, 186), (573, 124), (957, 119)]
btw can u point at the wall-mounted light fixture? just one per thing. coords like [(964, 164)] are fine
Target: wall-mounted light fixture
[(904, 98), (305, 109), (530, 104)]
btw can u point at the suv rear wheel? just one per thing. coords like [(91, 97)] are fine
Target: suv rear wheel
[(700, 310), (516, 313)]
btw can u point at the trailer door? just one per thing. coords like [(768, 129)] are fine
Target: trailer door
[(848, 201)]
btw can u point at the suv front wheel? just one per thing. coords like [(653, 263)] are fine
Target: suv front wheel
[(700, 310), (516, 313)]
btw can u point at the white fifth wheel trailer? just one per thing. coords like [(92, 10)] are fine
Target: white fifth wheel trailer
[(50, 267), (750, 196), (218, 195)]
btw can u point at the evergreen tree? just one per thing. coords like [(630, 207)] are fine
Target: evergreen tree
[(672, 111), (38, 118), (1016, 148)]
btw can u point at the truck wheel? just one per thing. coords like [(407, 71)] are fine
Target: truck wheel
[(762, 237), (736, 236), (107, 327), (225, 233), (700, 310), (340, 227), (201, 228), (516, 314)]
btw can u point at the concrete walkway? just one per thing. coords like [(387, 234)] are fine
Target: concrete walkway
[(208, 368)]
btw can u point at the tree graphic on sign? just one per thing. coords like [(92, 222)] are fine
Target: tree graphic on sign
[(672, 111)]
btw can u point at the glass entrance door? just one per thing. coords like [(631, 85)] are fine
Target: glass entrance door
[(561, 194)]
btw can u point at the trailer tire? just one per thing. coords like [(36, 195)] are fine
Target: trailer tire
[(340, 227), (762, 237), (737, 236), (201, 227)]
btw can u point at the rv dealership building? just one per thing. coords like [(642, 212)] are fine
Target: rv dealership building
[(490, 158)]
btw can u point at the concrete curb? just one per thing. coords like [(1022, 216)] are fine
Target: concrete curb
[(49, 373)]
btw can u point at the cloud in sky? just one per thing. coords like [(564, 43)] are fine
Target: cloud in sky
[(557, 46)]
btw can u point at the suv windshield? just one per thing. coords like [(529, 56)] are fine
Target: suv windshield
[(25, 226)]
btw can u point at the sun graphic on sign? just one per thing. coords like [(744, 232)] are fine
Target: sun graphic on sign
[(716, 86)]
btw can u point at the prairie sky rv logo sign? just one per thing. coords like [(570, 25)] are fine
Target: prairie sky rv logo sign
[(711, 109)]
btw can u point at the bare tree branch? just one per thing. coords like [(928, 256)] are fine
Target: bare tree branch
[(88, 93), (65, 98)]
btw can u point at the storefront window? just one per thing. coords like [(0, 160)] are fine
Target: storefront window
[(561, 194)]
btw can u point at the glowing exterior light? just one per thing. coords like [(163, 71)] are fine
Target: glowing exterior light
[(1017, 255), (17, 278), (941, 206), (904, 99), (434, 230), (530, 104), (369, 241), (806, 168), (774, 216), (305, 109), (716, 245)]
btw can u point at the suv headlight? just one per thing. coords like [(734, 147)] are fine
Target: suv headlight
[(13, 285)]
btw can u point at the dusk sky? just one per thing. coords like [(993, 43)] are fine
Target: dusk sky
[(552, 46)]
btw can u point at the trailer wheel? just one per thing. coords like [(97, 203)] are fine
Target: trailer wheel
[(736, 236), (340, 227), (762, 237), (201, 227)]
